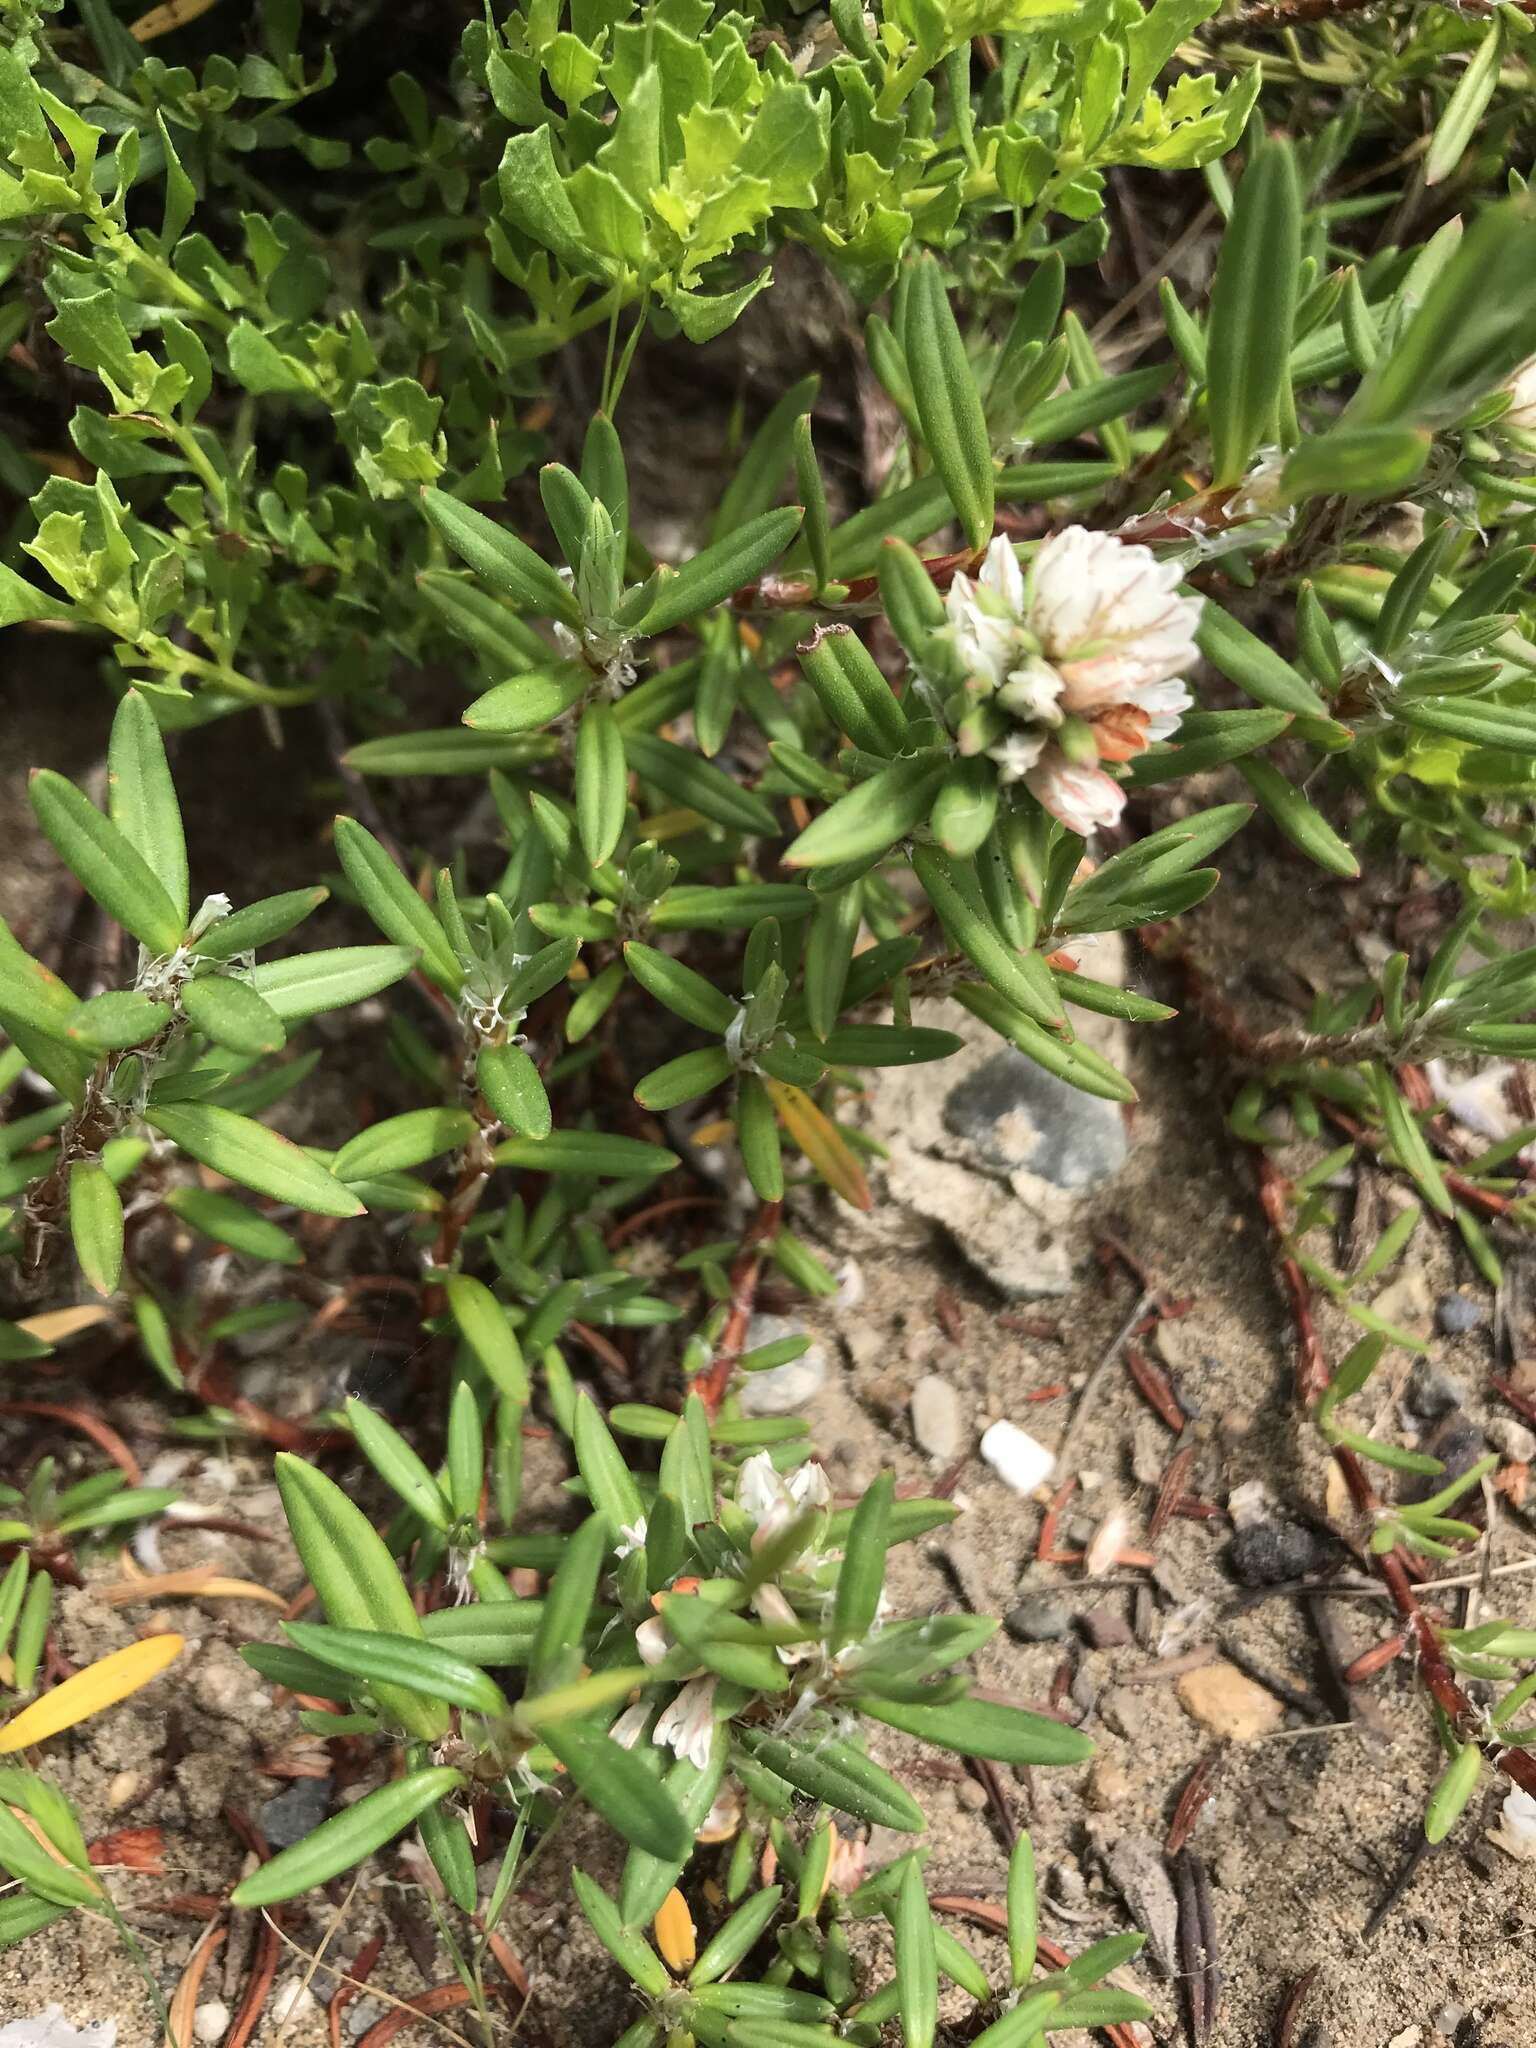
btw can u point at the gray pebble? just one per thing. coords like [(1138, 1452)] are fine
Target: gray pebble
[(1432, 1391), (1270, 1553), (296, 1812), (1038, 1618), (1458, 1314), (1016, 1115), (782, 1389), (1513, 1439)]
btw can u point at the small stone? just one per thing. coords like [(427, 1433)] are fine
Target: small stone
[(1406, 1302), (296, 1812), (210, 2022), (1432, 1391), (1138, 1870), (1410, 2037), (1038, 1618), (1017, 1116), (125, 1785), (1516, 1831), (1126, 1710), (782, 1389), (936, 1420), (1225, 1700), (1105, 1627), (1457, 1315), (971, 1795), (292, 2001), (1447, 2018), (1109, 1784), (1017, 1458), (1513, 1439), (1271, 1553)]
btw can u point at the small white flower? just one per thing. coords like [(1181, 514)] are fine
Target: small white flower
[(632, 1537), (687, 1726), (1017, 754), (651, 1640), (630, 1725), (771, 1502), (1522, 394)]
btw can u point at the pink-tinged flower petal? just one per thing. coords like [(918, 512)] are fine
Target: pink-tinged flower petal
[(630, 1725), (687, 1726), (1082, 798)]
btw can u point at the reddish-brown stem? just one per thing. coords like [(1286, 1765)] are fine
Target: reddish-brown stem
[(746, 1268)]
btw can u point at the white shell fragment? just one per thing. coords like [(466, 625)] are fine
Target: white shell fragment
[(1017, 1458)]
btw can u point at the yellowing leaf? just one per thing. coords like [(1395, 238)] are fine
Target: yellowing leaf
[(821, 1142), (714, 1132), (670, 825), (676, 1935), (198, 1581), (56, 1325), (98, 1686), (161, 20)]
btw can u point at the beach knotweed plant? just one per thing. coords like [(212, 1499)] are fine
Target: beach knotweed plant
[(318, 409)]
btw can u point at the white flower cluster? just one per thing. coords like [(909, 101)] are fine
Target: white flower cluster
[(771, 1502), (1084, 654)]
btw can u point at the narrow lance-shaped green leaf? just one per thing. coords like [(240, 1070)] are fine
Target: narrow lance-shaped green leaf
[(357, 1580), (345, 1840), (601, 782), (247, 1152), (401, 1142), (96, 1225), (398, 1465), (394, 905), (917, 1963), (947, 402), (1253, 309), (233, 1014), (107, 864), (141, 798), (504, 563), (720, 569)]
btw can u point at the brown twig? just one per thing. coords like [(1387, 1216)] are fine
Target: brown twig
[(1155, 1387), (1288, 2018), (1171, 1492), (1199, 1950), (1198, 1787)]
